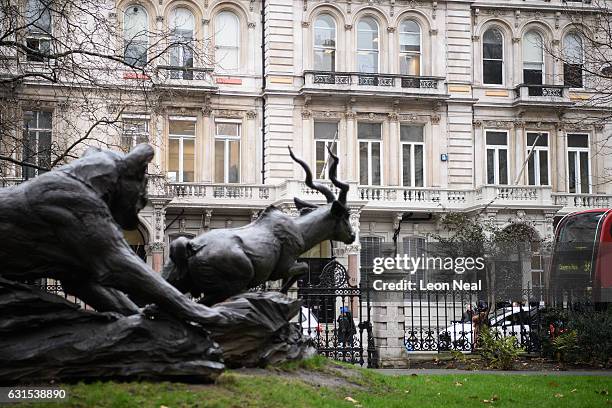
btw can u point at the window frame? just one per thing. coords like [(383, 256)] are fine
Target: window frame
[(182, 48), (533, 30), (226, 139), (326, 141), (582, 62), (536, 155), (31, 172), (126, 43), (323, 48), (503, 59), (577, 162), (181, 139), (497, 148), (38, 34), (237, 48), (145, 119), (405, 53), (412, 159), (381, 159), (368, 51)]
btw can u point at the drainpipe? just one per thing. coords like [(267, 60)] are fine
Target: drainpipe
[(263, 90)]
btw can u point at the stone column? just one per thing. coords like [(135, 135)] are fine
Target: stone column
[(479, 157), (307, 138), (351, 156), (353, 250), (207, 146), (391, 163), (248, 150), (433, 141), (520, 153), (157, 245)]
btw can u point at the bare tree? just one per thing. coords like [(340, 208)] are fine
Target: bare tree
[(71, 69)]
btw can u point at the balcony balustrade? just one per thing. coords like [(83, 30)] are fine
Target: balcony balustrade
[(557, 95), (383, 84)]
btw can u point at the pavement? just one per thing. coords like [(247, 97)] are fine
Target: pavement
[(442, 371)]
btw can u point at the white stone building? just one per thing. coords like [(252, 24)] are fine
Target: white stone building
[(432, 106)]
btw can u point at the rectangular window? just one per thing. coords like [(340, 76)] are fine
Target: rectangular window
[(38, 29), (538, 163), (181, 150), (37, 145), (227, 152), (412, 155), (369, 135), (578, 163), (135, 131), (572, 75), (326, 135), (497, 157)]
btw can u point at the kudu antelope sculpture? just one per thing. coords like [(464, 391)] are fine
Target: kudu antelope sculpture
[(224, 262)]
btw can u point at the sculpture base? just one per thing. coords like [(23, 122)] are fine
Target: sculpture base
[(44, 337), (263, 334)]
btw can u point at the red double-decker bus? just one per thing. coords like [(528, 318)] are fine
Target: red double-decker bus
[(582, 256)]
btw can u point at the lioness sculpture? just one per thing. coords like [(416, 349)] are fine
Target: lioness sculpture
[(224, 262), (66, 224)]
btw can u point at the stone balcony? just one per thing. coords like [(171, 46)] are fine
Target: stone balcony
[(171, 76), (578, 202), (374, 198), (542, 95), (375, 85)]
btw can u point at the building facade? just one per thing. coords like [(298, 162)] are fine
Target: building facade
[(432, 106)]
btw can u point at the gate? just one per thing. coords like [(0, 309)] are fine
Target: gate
[(335, 316)]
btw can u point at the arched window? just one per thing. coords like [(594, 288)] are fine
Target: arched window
[(493, 57), (38, 28), (227, 40), (367, 45), (574, 58), (325, 43), (182, 26), (533, 58), (410, 48), (135, 34)]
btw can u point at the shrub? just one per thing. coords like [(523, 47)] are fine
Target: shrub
[(565, 347), (498, 351), (593, 336)]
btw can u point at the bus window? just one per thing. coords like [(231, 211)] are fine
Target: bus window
[(575, 251)]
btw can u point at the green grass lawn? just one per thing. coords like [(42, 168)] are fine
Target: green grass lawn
[(321, 383)]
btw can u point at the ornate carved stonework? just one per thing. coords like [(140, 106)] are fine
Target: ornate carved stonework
[(519, 124), (499, 124), (475, 38), (350, 115), (348, 27), (305, 24), (390, 29), (251, 114), (252, 25), (159, 19), (326, 114), (599, 127), (516, 40), (306, 114), (205, 21), (156, 247), (355, 247), (477, 123), (227, 113), (393, 116), (435, 119)]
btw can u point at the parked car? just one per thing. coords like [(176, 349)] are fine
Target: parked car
[(509, 321), (309, 323)]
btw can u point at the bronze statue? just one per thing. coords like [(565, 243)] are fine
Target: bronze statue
[(66, 225), (224, 262)]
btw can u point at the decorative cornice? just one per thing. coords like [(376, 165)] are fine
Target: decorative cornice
[(227, 113)]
